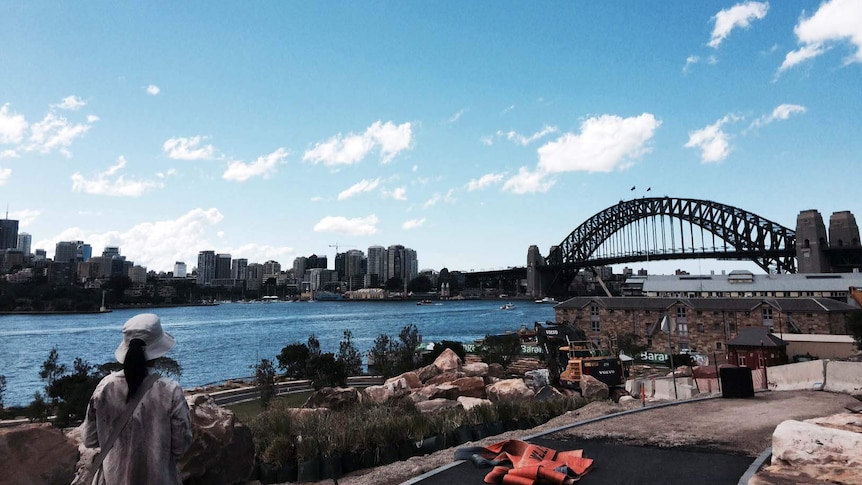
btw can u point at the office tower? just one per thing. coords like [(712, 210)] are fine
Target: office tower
[(353, 269), (341, 265), (111, 252), (299, 266), (66, 251), (375, 273), (206, 267), (85, 252), (24, 242), (222, 271), (237, 268), (253, 276), (8, 233), (180, 269), (271, 269)]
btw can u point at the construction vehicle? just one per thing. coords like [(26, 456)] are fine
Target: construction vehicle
[(571, 355)]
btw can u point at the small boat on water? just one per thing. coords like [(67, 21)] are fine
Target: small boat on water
[(508, 306), (547, 299), (425, 302)]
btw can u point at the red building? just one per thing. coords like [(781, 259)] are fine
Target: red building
[(756, 348)]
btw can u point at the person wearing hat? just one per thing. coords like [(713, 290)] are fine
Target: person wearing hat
[(147, 416)]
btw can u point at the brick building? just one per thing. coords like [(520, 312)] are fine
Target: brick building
[(702, 324)]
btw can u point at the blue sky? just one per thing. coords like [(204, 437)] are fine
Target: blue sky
[(465, 130)]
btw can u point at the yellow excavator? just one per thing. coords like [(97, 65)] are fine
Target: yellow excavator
[(568, 348)]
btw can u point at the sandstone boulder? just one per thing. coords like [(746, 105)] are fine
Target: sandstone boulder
[(592, 388), (470, 386), (37, 454), (448, 361), (411, 379), (398, 385), (335, 398), (379, 394), (222, 451), (683, 371), (435, 405), (508, 389), (427, 372), (547, 393), (447, 376), (496, 370), (469, 403), (537, 379), (475, 369), (440, 391)]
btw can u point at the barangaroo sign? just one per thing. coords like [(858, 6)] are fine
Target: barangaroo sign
[(525, 349)]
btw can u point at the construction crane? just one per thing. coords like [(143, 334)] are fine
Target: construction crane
[(336, 246)]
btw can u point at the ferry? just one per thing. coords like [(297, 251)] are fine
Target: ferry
[(547, 299), (508, 306)]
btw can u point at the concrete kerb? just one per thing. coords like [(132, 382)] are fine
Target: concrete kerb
[(443, 468), (755, 466)]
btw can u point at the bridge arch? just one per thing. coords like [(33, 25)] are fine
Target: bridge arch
[(745, 235)]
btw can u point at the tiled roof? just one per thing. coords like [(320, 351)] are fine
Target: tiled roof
[(756, 337), (796, 305)]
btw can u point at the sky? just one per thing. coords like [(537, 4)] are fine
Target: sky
[(467, 131)]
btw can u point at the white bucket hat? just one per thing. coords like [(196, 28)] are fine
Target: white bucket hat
[(148, 328)]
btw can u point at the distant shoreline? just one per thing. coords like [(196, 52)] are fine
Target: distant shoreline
[(94, 312)]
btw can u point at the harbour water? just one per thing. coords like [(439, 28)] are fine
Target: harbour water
[(215, 343)]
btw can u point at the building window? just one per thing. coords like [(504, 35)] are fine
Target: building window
[(741, 360), (700, 327), (595, 326), (761, 362), (767, 315), (594, 310), (680, 312), (683, 346), (718, 346), (649, 343), (682, 328)]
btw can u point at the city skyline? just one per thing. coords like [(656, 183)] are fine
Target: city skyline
[(467, 132)]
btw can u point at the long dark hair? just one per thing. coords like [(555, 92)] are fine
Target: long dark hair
[(135, 366)]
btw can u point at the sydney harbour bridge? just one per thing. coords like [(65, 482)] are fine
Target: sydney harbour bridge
[(667, 228)]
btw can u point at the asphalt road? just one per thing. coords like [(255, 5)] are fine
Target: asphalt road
[(620, 464)]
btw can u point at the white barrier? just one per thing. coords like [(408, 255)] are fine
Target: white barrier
[(802, 376), (844, 377)]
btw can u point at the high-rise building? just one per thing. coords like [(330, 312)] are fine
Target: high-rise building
[(111, 252), (376, 270), (66, 251), (206, 267), (223, 266), (299, 266), (315, 261), (24, 242), (85, 252), (238, 268), (271, 269), (180, 269), (138, 274), (253, 276), (8, 233), (354, 270)]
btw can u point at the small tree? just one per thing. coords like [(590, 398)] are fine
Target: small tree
[(406, 356), (313, 346), (2, 389), (854, 327), (264, 379), (325, 370), (292, 360), (500, 349), (51, 368), (349, 355), (381, 355), (630, 344)]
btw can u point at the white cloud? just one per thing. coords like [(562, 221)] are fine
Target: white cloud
[(782, 112), (5, 174), (450, 196), (163, 175), (12, 126), (153, 90), (358, 188), (690, 61), (433, 201), (317, 198), (605, 144), (510, 108), (740, 15), (25, 217), (264, 166), (390, 138), (358, 226), (111, 184), (156, 245), (457, 116), (92, 118), (526, 182), (180, 148), (834, 21), (399, 193), (9, 154), (485, 181), (413, 224), (487, 140), (526, 140), (54, 132), (72, 103), (712, 141)]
